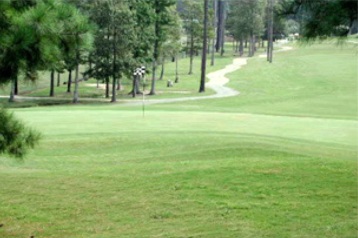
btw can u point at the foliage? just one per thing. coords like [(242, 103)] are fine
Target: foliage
[(76, 34), (40, 35), (162, 19), (15, 137), (116, 27), (292, 26), (29, 38), (193, 17), (172, 46), (144, 31), (246, 18), (322, 18)]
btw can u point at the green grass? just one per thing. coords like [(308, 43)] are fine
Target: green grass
[(316, 80), (235, 167)]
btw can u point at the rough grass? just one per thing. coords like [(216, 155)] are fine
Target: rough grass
[(204, 169)]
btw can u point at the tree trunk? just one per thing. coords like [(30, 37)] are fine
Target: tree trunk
[(251, 46), (212, 63), (107, 87), (108, 61), (16, 86), (114, 82), (176, 70), (208, 50), (222, 40), (69, 81), (205, 46), (254, 44), (12, 89), (250, 53), (134, 86), (270, 31), (75, 93), (154, 67), (219, 24), (114, 91), (156, 49), (241, 47), (137, 85), (52, 83), (163, 67), (58, 79), (191, 53)]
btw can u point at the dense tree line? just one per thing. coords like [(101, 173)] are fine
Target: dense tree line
[(111, 36)]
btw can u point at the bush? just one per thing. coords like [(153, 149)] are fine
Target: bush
[(15, 137)]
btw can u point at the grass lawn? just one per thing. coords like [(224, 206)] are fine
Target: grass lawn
[(279, 160)]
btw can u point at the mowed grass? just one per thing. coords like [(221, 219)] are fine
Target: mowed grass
[(311, 80), (213, 168)]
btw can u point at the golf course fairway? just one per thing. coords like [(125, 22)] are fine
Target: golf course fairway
[(277, 160)]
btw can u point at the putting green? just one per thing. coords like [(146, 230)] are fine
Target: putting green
[(57, 122)]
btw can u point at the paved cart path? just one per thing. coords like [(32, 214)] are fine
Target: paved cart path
[(217, 82)]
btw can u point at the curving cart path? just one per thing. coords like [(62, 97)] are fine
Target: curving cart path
[(217, 82)]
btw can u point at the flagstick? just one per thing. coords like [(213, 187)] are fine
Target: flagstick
[(143, 98), (143, 81)]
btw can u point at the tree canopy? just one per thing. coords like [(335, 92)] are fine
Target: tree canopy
[(39, 35), (321, 17)]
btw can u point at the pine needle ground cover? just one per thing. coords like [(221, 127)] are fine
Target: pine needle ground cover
[(215, 168)]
